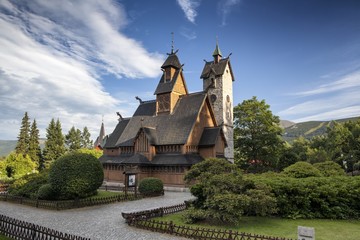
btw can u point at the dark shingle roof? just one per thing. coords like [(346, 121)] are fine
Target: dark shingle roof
[(176, 159), (217, 68), (172, 61), (165, 129), (147, 108), (209, 136), (111, 141), (166, 86)]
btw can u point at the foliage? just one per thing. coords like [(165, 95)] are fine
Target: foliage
[(73, 139), (55, 143), (16, 165), (302, 170), (151, 186), (95, 152), (22, 146), (46, 192), (257, 136), (34, 145), (314, 197), (222, 194), (329, 169), (85, 139), (28, 186), (76, 175)]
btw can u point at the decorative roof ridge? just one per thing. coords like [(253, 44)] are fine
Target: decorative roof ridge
[(148, 101)]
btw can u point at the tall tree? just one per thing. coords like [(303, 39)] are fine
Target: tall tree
[(55, 142), (22, 146), (85, 139), (34, 145), (257, 136), (73, 139)]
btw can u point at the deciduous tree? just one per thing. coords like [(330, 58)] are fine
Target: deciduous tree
[(257, 136)]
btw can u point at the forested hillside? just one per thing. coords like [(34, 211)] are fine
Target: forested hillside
[(310, 129)]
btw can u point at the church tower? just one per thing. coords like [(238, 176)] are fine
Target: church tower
[(218, 80)]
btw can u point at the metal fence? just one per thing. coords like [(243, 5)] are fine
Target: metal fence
[(18, 229)]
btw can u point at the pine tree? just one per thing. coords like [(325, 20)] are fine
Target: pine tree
[(22, 146), (34, 145), (55, 142), (73, 139), (85, 139)]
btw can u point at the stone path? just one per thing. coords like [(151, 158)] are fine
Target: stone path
[(99, 222)]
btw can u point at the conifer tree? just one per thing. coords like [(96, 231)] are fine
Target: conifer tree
[(22, 146), (73, 139), (55, 142), (34, 145), (85, 139)]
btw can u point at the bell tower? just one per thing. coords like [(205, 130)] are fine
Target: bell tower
[(218, 80)]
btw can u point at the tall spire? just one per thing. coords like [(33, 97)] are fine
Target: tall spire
[(217, 53)]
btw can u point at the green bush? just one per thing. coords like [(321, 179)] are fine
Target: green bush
[(46, 192), (151, 186), (76, 175), (315, 197), (28, 185), (330, 168), (222, 195), (302, 170)]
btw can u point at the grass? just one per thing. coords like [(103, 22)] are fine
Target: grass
[(325, 229), (103, 194), (2, 237)]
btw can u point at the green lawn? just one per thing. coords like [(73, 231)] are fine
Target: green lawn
[(279, 227), (2, 237), (102, 194)]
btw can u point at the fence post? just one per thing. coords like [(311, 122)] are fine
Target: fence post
[(171, 228), (230, 235), (33, 231), (37, 203)]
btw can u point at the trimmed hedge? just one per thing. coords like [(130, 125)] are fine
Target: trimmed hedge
[(315, 197), (151, 186), (76, 175)]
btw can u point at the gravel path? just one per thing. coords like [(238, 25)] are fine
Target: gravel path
[(99, 222)]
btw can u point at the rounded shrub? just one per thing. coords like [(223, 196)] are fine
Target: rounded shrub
[(151, 186), (46, 192), (302, 170), (76, 175), (330, 168), (28, 185)]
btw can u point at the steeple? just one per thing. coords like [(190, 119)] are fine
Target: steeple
[(217, 53), (99, 143)]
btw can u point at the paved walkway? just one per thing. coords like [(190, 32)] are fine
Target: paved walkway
[(99, 222)]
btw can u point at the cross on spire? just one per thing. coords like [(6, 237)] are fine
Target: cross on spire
[(172, 42)]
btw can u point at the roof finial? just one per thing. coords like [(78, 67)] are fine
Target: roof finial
[(172, 42), (102, 118)]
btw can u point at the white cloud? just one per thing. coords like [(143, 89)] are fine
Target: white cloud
[(335, 100), (189, 8), (225, 7), (52, 57), (349, 81), (341, 113), (188, 34)]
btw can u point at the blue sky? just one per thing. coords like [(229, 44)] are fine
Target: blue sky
[(81, 61)]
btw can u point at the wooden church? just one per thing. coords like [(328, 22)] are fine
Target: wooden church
[(177, 129)]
